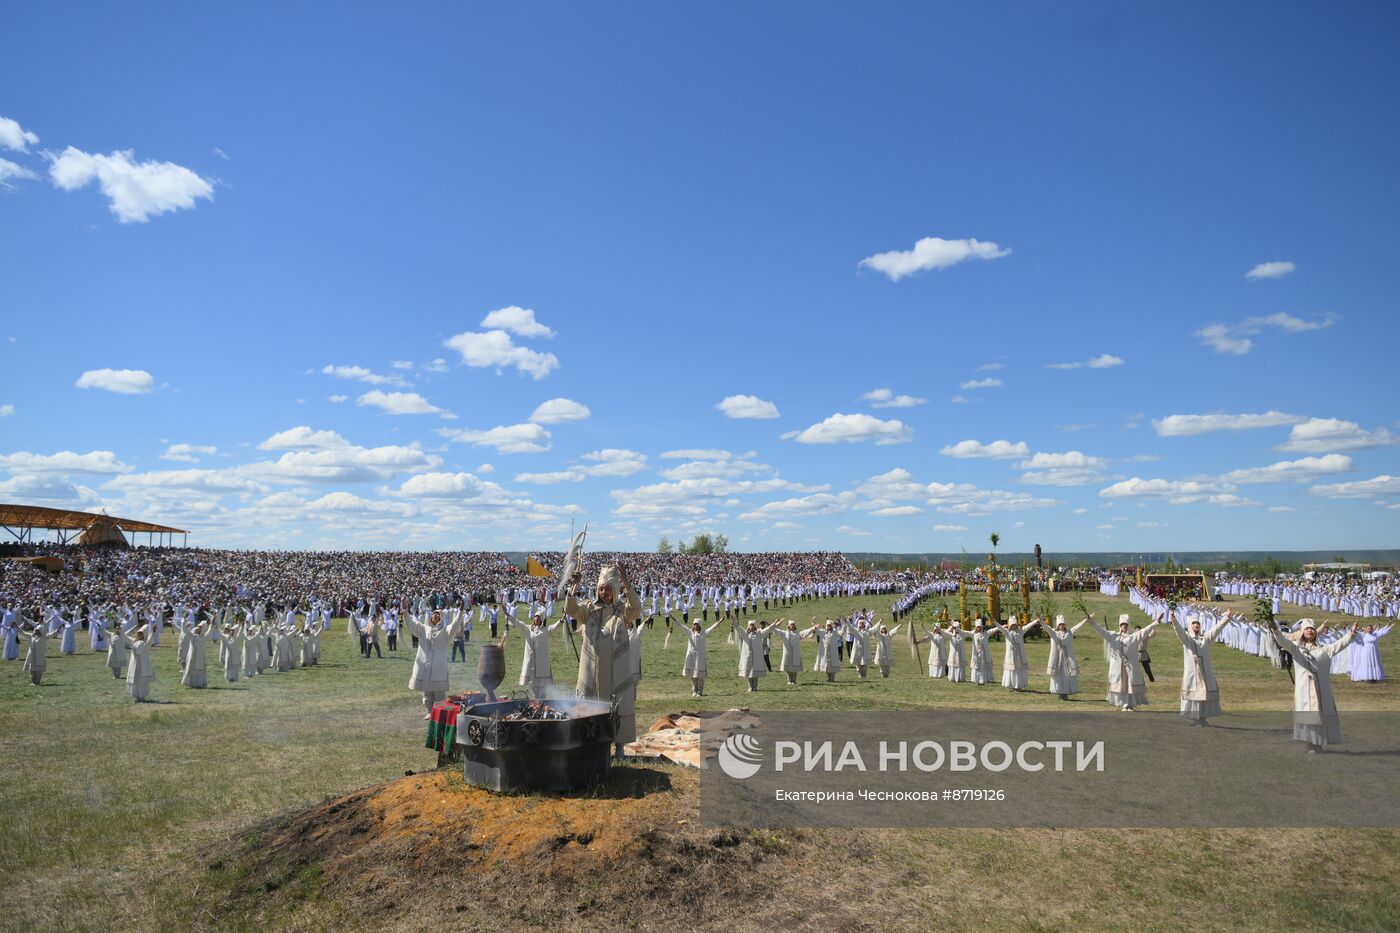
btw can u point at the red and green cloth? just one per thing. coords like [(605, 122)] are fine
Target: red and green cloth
[(442, 721)]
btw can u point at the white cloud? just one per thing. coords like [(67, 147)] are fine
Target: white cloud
[(949, 528), (507, 439), (1071, 468), (397, 403), (931, 253), (65, 461), (613, 461), (692, 453), (850, 429), (11, 172), (136, 191), (896, 510), (1081, 511), (1282, 508), (1176, 492), (1319, 435), (485, 468), (438, 365), (1270, 270), (401, 364), (340, 463), (729, 468), (7, 411), (175, 482), (1360, 489), (1291, 471), (1102, 361), (897, 484), (853, 532), (1187, 425), (1235, 338), (821, 503), (1220, 339), (996, 450), (55, 491), (121, 381), (747, 406), (884, 398), (989, 367), (494, 349), (303, 438), (988, 383), (519, 321), (187, 453), (349, 502), (448, 486), (361, 374), (13, 136), (967, 499), (337, 399), (543, 479), (559, 411)]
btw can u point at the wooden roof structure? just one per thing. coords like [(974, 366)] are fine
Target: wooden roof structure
[(66, 520)]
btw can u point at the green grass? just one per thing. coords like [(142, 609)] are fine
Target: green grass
[(102, 794)]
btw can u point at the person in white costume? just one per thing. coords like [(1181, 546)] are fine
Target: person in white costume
[(1015, 666), (884, 648), (1200, 692), (695, 667), (535, 671), (750, 639), (1127, 688), (1315, 719), (430, 670), (1063, 665)]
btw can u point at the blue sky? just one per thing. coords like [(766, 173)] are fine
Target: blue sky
[(1094, 277)]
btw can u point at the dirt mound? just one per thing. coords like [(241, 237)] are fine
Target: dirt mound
[(429, 848)]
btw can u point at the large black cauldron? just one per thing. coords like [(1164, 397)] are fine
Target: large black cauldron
[(507, 754)]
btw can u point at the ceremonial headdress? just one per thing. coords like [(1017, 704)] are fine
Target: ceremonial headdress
[(610, 575)]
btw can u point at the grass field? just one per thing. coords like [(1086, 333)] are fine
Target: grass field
[(107, 804)]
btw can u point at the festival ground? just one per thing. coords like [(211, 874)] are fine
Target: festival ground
[(257, 803)]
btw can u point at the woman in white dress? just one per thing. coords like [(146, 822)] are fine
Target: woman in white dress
[(791, 663), (695, 667), (860, 648), (1200, 693), (1063, 665), (957, 654), (430, 665), (1015, 666), (884, 648), (1127, 689), (1315, 719), (196, 637), (937, 641), (535, 670), (36, 658), (750, 639), (981, 655), (828, 651), (139, 673), (116, 649), (231, 641)]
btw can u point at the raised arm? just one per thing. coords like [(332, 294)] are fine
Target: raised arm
[(718, 623), (1103, 633)]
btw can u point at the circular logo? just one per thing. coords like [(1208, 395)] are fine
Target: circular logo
[(740, 756)]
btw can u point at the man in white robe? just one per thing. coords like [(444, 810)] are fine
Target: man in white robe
[(605, 660)]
